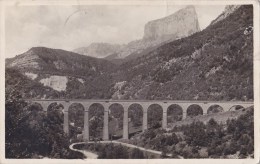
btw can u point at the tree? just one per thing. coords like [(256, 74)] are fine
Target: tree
[(196, 134), (136, 154), (30, 133)]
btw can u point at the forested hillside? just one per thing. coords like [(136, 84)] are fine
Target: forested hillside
[(214, 64), (233, 139), (56, 61), (82, 76)]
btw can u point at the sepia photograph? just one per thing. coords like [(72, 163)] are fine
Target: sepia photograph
[(129, 81)]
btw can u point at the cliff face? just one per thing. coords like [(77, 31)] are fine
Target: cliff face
[(180, 24), (157, 32), (227, 11)]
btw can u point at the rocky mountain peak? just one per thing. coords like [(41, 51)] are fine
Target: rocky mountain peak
[(180, 24), (229, 9)]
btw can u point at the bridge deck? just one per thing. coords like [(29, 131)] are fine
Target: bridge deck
[(136, 101)]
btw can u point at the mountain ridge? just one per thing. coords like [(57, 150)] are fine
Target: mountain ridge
[(180, 24), (99, 50), (213, 64)]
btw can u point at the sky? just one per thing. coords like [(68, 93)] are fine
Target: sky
[(71, 27)]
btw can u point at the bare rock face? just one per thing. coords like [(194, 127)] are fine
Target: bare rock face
[(227, 11), (58, 83), (180, 24)]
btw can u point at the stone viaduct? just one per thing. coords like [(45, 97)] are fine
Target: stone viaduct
[(165, 104)]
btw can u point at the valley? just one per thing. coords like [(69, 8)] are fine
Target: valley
[(174, 61)]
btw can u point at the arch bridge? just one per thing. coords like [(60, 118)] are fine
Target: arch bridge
[(145, 104)]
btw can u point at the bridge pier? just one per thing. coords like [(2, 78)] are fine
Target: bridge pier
[(66, 117), (86, 126), (45, 106), (66, 122), (125, 123), (144, 120), (164, 120), (184, 110), (105, 128), (164, 116), (184, 115)]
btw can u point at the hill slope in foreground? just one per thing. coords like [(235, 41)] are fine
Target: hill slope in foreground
[(223, 135)]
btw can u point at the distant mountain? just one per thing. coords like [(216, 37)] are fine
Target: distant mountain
[(180, 24), (157, 32), (99, 50), (214, 64)]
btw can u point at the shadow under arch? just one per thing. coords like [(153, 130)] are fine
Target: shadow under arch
[(135, 115), (35, 106), (236, 107), (154, 116), (96, 121), (55, 114), (174, 113), (55, 107), (194, 110), (215, 109), (115, 120), (76, 120)]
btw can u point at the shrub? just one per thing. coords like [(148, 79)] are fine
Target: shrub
[(137, 154)]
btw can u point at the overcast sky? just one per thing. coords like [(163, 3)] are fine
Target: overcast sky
[(70, 27)]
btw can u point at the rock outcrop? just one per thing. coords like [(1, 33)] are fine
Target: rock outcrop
[(227, 11), (177, 25), (180, 24), (157, 32)]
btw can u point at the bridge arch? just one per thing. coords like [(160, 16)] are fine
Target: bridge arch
[(194, 110), (55, 112), (96, 120), (154, 115), (115, 117), (235, 107), (174, 113), (215, 109), (135, 115), (76, 120), (35, 106), (55, 106)]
